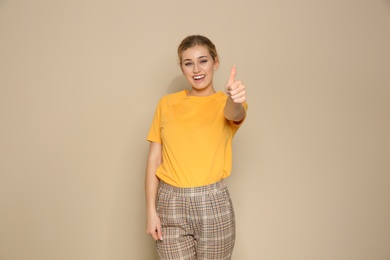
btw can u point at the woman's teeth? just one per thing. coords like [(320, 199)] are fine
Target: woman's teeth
[(199, 77)]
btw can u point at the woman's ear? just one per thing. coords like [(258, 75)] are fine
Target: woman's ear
[(216, 63)]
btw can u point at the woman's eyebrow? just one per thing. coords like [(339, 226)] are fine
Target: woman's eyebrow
[(201, 57)]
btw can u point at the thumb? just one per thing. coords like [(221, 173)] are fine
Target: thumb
[(232, 76), (159, 232)]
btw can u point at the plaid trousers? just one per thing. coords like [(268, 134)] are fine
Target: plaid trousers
[(197, 223)]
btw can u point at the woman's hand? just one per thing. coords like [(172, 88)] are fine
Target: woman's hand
[(153, 227), (235, 89)]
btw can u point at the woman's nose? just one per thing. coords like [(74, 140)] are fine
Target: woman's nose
[(195, 68)]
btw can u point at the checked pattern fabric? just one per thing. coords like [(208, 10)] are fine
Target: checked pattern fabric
[(197, 223)]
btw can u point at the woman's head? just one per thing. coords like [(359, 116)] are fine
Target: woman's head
[(198, 61), (196, 40)]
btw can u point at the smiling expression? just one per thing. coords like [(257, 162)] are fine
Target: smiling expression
[(198, 67)]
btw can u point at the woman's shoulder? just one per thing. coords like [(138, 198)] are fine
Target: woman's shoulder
[(179, 94), (174, 96)]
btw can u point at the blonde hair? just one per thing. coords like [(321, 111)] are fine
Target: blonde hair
[(194, 40)]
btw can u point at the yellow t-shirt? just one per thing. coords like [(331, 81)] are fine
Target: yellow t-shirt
[(196, 139)]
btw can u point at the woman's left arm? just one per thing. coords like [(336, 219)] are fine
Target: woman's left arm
[(235, 89)]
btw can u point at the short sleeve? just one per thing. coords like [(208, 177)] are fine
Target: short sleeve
[(155, 129)]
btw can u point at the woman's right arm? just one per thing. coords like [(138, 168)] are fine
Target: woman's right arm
[(153, 227)]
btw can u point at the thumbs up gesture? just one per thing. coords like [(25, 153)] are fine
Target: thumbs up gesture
[(235, 89)]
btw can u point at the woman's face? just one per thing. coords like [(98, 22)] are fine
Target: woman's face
[(198, 67)]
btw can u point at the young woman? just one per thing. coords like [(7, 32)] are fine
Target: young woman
[(190, 213)]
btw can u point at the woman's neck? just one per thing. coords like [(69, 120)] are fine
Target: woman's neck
[(201, 92)]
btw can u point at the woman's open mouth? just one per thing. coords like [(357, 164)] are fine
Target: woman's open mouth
[(199, 77)]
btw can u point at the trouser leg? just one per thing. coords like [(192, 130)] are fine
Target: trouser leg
[(216, 227), (177, 243)]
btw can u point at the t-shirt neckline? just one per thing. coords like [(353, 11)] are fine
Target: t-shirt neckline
[(185, 91)]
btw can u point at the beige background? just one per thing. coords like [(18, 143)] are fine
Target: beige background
[(79, 84)]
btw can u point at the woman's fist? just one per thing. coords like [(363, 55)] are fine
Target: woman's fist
[(235, 89)]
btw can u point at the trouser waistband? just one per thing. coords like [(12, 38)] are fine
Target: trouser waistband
[(192, 191)]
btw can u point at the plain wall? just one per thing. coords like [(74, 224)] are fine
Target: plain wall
[(79, 83)]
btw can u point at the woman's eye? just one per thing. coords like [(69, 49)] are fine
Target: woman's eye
[(203, 61), (187, 64)]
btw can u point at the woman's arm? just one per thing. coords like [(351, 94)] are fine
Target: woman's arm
[(235, 90), (233, 111), (153, 227)]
